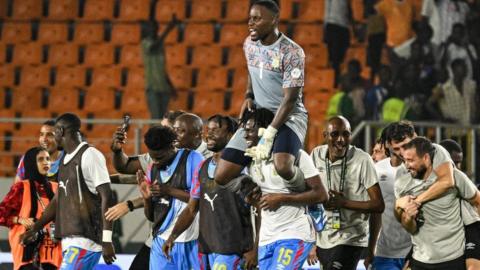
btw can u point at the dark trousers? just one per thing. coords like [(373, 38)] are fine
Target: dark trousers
[(45, 266), (142, 259), (337, 39), (157, 103), (340, 257), (457, 264)]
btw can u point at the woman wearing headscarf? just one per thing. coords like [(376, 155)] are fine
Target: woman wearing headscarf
[(24, 203)]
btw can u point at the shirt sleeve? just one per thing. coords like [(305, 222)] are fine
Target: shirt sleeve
[(369, 174), (466, 188), (21, 169), (193, 161), (195, 190), (441, 156), (293, 68), (94, 169), (11, 205), (306, 165)]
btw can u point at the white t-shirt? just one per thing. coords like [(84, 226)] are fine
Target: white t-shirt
[(288, 221), (95, 173)]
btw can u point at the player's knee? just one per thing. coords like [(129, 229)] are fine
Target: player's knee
[(284, 168)]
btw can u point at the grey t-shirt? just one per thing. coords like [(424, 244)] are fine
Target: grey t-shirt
[(360, 176), (441, 238), (464, 184), (394, 241), (274, 68)]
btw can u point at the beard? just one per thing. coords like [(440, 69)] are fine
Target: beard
[(420, 173)]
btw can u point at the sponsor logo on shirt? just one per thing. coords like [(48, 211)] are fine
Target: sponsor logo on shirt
[(383, 177), (64, 186), (210, 200), (470, 246)]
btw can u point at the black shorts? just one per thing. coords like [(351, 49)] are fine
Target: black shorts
[(142, 259), (457, 264), (472, 241), (340, 257)]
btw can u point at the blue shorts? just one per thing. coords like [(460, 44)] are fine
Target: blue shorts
[(75, 258), (220, 261), (382, 263), (184, 255), (283, 254), (286, 141)]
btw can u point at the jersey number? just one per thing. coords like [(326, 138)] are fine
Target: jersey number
[(285, 256), (71, 253), (219, 266)]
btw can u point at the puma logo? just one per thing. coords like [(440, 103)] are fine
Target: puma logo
[(64, 186), (206, 197)]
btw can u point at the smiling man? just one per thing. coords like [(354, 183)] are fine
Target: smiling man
[(355, 198), (276, 79)]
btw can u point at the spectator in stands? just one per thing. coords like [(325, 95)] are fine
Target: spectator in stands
[(24, 203), (399, 16), (459, 46), (376, 38), (409, 89), (442, 15), (46, 140), (170, 116), (456, 98), (378, 94), (455, 151), (338, 18), (355, 85), (159, 88)]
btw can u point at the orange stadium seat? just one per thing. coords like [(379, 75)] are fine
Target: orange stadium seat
[(176, 55), (237, 10), (233, 34), (212, 78), (107, 77), (359, 53), (134, 103), (35, 76), (240, 79), (3, 52), (86, 33), (136, 78), (312, 10), (97, 10), (134, 10), (52, 32), (198, 33), (181, 101), (26, 97), (62, 9), (131, 56), (236, 57), (181, 77), (63, 99), (99, 55), (286, 9), (98, 99), (202, 104), (70, 77), (206, 10), (308, 34), (125, 33), (63, 54), (27, 54), (319, 79), (16, 32), (206, 56), (3, 9), (316, 103), (357, 10), (7, 75), (236, 101), (165, 9), (27, 9), (316, 56), (172, 37)]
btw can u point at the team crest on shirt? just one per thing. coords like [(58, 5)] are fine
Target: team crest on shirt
[(276, 62), (383, 177)]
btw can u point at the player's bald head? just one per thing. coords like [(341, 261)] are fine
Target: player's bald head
[(338, 121), (191, 120)]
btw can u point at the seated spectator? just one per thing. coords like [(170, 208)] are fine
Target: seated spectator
[(378, 94), (376, 39), (459, 46)]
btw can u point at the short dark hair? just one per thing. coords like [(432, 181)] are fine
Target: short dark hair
[(159, 137), (268, 4), (231, 123), (398, 131), (70, 122), (451, 146), (263, 117), (457, 62), (50, 123), (172, 115), (422, 146)]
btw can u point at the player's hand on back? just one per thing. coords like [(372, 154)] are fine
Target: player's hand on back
[(312, 256), (108, 252), (167, 247), (248, 104), (251, 259), (119, 139)]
